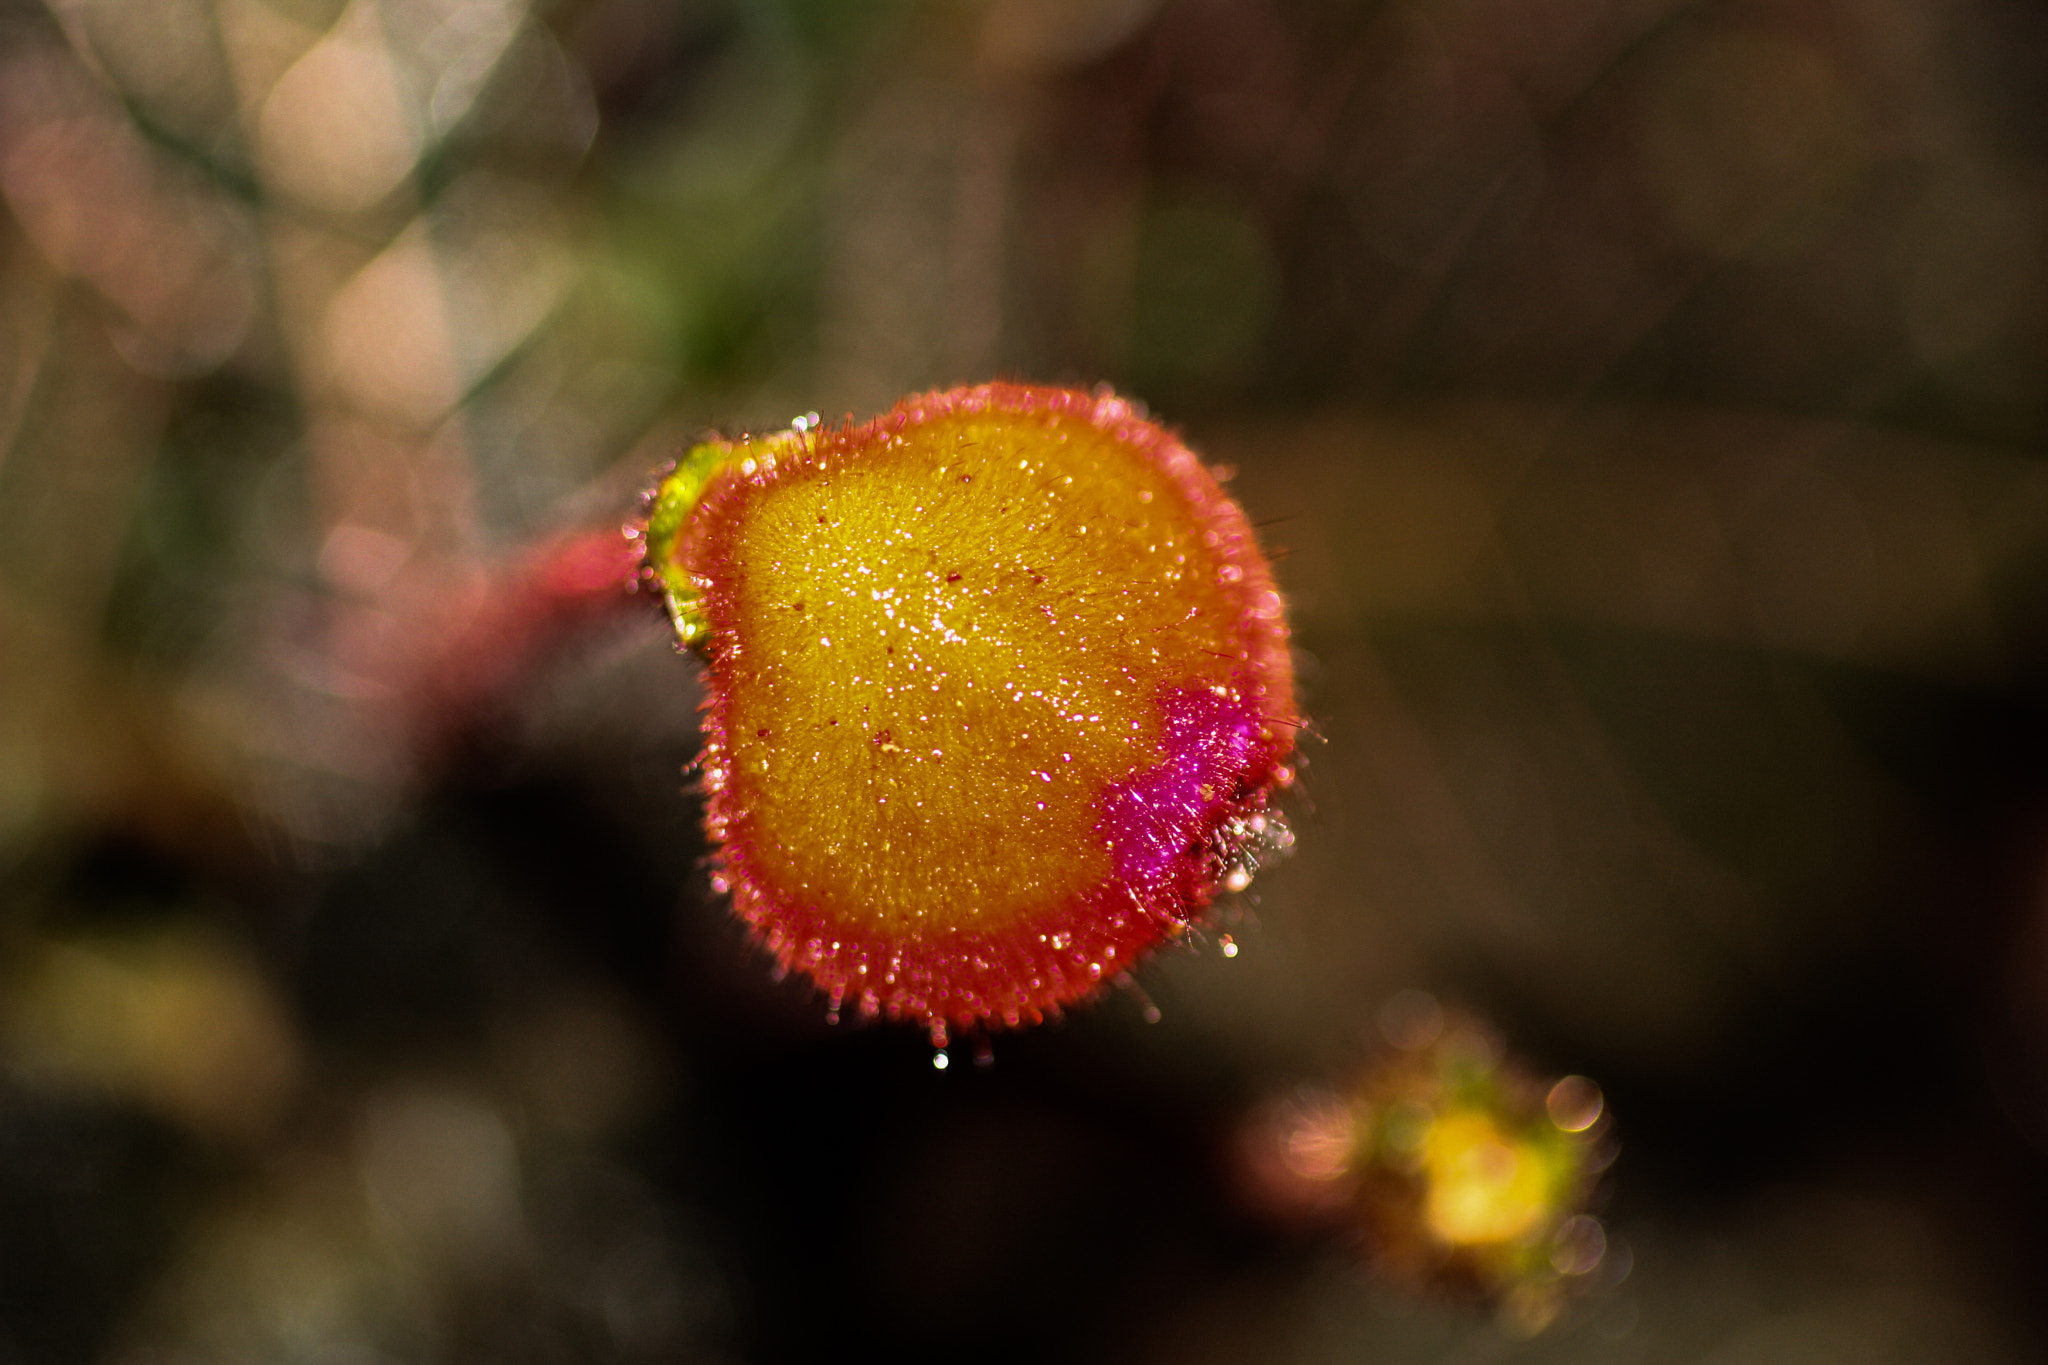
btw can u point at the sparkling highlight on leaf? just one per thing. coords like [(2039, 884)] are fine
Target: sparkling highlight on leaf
[(997, 688)]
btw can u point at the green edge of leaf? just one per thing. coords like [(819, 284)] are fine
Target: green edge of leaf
[(673, 501)]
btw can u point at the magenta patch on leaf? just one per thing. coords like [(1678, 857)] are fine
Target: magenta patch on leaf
[(1160, 822)]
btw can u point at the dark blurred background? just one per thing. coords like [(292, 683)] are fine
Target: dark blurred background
[(1649, 399)]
